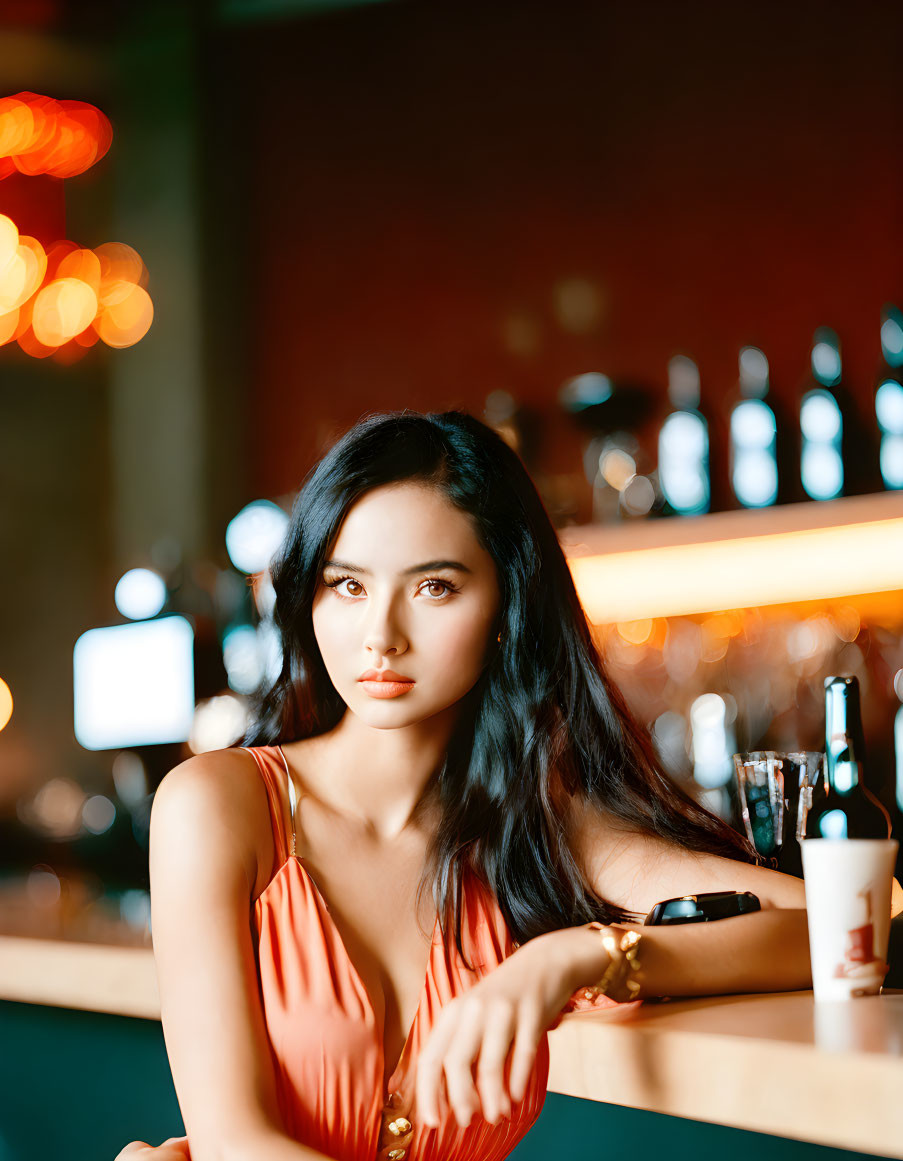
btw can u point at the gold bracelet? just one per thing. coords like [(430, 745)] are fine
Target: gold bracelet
[(624, 971)]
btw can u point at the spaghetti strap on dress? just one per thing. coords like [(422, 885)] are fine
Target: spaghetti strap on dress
[(324, 1035)]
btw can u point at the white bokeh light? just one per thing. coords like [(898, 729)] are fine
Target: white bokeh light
[(255, 534), (242, 658), (892, 337), (587, 390), (638, 496), (98, 814), (684, 436), (753, 372), (683, 451), (218, 722), (898, 746), (140, 593), (712, 741), (889, 406), (683, 382), (752, 424), (755, 478), (133, 684), (820, 418), (822, 471), (826, 362), (891, 459)]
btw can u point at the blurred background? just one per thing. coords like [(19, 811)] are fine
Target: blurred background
[(656, 246)]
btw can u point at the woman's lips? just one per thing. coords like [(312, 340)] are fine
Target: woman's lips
[(385, 683), (380, 689)]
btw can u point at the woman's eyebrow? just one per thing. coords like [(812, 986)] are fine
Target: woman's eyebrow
[(427, 566), (433, 565)]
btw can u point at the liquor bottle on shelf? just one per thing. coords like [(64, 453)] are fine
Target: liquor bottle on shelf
[(889, 398), (838, 456), (843, 807), (683, 444), (762, 455)]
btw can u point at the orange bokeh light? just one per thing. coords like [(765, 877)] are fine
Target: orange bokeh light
[(56, 254), (63, 309), (81, 264), (22, 266), (13, 282), (63, 300), (121, 268), (9, 240), (6, 703), (39, 135), (125, 322), (32, 253)]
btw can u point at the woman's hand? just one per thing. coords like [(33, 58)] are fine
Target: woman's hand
[(503, 1015), (172, 1149)]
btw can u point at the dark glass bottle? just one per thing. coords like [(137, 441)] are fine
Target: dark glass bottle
[(838, 451), (844, 807), (683, 444), (762, 443)]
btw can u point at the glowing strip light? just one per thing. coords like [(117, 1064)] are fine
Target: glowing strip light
[(743, 572)]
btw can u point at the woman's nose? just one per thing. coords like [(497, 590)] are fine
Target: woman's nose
[(384, 634)]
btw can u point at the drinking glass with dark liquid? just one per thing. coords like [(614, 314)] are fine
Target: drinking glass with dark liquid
[(775, 791)]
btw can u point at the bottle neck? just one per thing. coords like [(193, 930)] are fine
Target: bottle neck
[(844, 741)]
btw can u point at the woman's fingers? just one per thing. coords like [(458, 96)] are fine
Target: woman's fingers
[(172, 1149), (486, 1031), (493, 1052), (429, 1067), (458, 1061), (179, 1147), (527, 1037)]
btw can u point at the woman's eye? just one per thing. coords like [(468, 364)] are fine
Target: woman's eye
[(354, 587), (436, 588)]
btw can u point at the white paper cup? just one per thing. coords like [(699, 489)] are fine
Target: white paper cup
[(848, 892)]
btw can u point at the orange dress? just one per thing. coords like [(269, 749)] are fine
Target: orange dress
[(326, 1045)]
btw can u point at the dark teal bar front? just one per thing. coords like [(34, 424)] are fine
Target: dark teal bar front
[(77, 1086)]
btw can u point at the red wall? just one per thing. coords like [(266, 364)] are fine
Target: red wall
[(722, 174), (36, 205)]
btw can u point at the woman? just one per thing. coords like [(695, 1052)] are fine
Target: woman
[(442, 743)]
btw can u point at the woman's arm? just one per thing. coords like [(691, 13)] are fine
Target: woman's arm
[(766, 951), (760, 952), (203, 868)]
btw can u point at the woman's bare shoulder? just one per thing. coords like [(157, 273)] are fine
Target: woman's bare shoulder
[(218, 791), (202, 858)]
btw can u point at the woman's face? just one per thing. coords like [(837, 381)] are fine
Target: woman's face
[(405, 606)]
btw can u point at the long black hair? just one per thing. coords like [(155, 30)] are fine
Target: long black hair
[(542, 724)]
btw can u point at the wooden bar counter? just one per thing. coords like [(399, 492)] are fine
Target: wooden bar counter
[(831, 1074), (773, 1063)]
